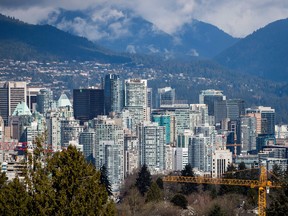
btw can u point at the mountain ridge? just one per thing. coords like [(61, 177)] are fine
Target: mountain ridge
[(48, 42), (262, 53), (128, 32)]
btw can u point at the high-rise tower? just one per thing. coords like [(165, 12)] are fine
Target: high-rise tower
[(11, 94), (113, 93), (88, 103), (209, 97)]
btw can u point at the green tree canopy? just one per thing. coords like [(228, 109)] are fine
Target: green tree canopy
[(62, 184), (14, 199), (104, 180), (154, 193), (188, 188), (77, 185), (159, 182), (143, 180)]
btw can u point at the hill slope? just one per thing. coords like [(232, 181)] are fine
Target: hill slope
[(263, 53), (23, 41), (128, 32)]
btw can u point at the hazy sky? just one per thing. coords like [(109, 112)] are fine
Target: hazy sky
[(236, 17)]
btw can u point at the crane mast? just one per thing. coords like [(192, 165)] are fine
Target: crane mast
[(262, 184)]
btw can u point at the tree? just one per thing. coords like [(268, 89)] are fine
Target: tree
[(143, 180), (104, 180), (188, 188), (159, 182), (14, 199), (279, 204), (242, 166), (77, 186), (154, 193), (3, 179), (38, 182), (231, 169), (180, 200)]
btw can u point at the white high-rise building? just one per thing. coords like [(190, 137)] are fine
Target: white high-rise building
[(207, 131), (200, 153), (181, 155), (70, 131), (203, 109), (248, 128), (152, 142), (136, 97), (136, 92), (131, 154), (109, 149), (54, 130)]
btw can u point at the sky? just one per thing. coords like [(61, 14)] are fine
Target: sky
[(236, 17)]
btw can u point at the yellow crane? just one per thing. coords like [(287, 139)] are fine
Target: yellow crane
[(263, 185)]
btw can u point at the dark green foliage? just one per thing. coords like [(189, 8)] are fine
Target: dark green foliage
[(279, 204), (159, 182), (66, 185), (22, 41), (213, 192), (77, 185), (242, 166), (263, 53), (188, 188), (180, 200), (154, 193), (14, 199), (143, 180), (3, 179), (104, 180), (216, 211), (277, 173), (240, 173)]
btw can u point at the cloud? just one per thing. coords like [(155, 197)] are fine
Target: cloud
[(235, 17), (240, 18)]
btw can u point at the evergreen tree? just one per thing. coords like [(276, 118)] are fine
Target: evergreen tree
[(279, 204), (180, 200), (38, 183), (77, 185), (3, 179), (104, 180), (64, 184), (143, 180), (154, 193), (14, 199), (159, 182), (188, 188)]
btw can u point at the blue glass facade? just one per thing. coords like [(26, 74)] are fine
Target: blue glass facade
[(163, 120)]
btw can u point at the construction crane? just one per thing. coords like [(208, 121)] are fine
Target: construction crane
[(263, 185)]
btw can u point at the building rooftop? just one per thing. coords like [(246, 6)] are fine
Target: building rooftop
[(22, 109)]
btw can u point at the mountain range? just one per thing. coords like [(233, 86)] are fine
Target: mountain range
[(127, 32), (22, 41), (265, 48), (263, 53)]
